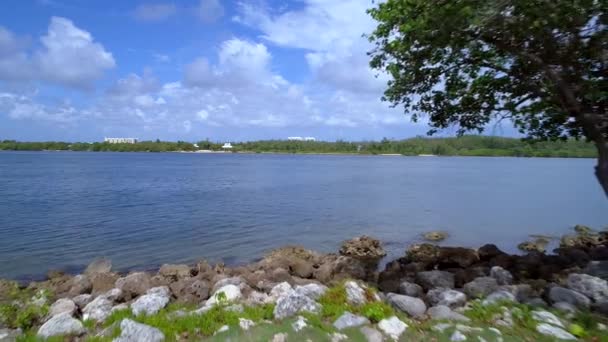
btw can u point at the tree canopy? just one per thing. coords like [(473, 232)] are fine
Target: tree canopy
[(469, 63)]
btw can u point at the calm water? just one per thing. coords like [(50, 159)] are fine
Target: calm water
[(60, 209)]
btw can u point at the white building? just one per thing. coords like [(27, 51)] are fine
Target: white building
[(295, 138), (227, 146), (120, 140), (310, 139)]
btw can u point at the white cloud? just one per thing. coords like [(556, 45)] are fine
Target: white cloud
[(67, 56), (21, 106), (154, 11), (208, 11)]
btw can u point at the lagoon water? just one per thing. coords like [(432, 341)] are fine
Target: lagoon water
[(59, 210)]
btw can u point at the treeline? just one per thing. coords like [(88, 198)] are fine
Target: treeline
[(461, 146)]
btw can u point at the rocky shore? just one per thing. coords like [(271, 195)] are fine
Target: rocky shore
[(295, 294)]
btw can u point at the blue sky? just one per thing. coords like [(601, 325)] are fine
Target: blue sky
[(225, 70)]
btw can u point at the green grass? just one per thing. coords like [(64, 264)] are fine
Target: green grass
[(376, 311), (333, 303)]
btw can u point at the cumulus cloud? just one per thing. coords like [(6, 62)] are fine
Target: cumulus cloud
[(208, 11), (154, 11), (20, 106), (59, 58)]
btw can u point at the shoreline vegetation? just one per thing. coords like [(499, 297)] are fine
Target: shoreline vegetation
[(431, 293), (420, 146)]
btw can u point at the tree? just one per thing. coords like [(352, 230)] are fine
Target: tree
[(469, 63)]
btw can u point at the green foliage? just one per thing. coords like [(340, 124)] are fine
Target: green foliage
[(461, 146), (20, 309), (258, 313), (467, 63), (117, 316), (484, 313), (376, 311), (577, 330), (206, 324), (333, 303)]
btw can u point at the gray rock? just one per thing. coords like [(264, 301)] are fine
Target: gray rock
[(561, 294), (61, 324), (536, 302), (113, 295), (393, 327), (355, 293), (152, 302), (441, 327), (502, 276), (371, 334), (565, 307), (299, 324), (227, 281), (434, 279), (101, 265), (448, 297), (246, 324), (480, 287), (258, 298), (553, 331), (10, 335), (413, 306), (79, 284), (120, 307), (82, 300), (601, 307), (175, 271), (98, 310), (592, 287), (547, 317), (411, 289), (132, 331), (293, 303), (63, 305), (348, 320), (458, 336), (230, 293), (442, 312), (313, 291), (280, 290), (134, 284), (499, 296)]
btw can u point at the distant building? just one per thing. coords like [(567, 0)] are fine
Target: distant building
[(310, 139), (120, 140), (295, 138), (227, 146)]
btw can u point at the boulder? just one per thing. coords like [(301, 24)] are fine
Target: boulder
[(63, 305), (592, 287), (357, 294), (246, 324), (560, 294), (237, 281), (411, 289), (134, 284), (78, 285), (312, 291), (301, 268), (98, 310), (565, 307), (363, 247), (101, 265), (258, 298), (113, 295), (447, 297), (230, 294), (152, 302), (457, 257), (442, 312), (433, 279), (348, 320), (435, 236), (336, 268), (499, 296), (131, 331), (82, 300), (532, 246), (190, 290), (175, 271), (488, 252), (280, 275), (61, 325), (371, 334), (553, 331), (413, 306), (582, 229), (393, 327), (103, 282), (480, 287), (425, 253), (544, 316), (457, 336), (502, 276), (280, 290), (299, 324), (294, 303)]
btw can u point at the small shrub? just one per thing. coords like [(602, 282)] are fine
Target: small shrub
[(259, 312), (333, 302), (376, 311)]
